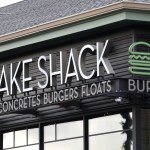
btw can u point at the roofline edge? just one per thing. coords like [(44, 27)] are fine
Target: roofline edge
[(74, 19)]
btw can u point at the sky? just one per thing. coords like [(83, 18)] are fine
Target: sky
[(8, 2)]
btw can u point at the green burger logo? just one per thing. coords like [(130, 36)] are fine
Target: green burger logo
[(139, 59)]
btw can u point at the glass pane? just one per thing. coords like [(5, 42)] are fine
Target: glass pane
[(69, 129), (33, 136), (8, 140), (49, 133), (145, 119), (145, 123), (145, 140), (75, 144), (20, 137), (33, 147), (113, 141), (110, 123)]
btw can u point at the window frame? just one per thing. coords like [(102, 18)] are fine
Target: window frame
[(85, 119)]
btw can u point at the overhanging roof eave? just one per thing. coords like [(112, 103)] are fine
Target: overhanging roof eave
[(77, 23)]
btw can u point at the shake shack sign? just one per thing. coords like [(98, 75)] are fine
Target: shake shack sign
[(15, 78)]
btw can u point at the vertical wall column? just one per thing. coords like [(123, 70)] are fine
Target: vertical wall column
[(86, 133), (136, 127), (41, 137), (1, 140)]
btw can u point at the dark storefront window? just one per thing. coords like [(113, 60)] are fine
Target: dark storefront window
[(111, 132), (145, 124), (27, 139), (64, 136)]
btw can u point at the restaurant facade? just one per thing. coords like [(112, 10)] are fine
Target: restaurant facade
[(78, 83)]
